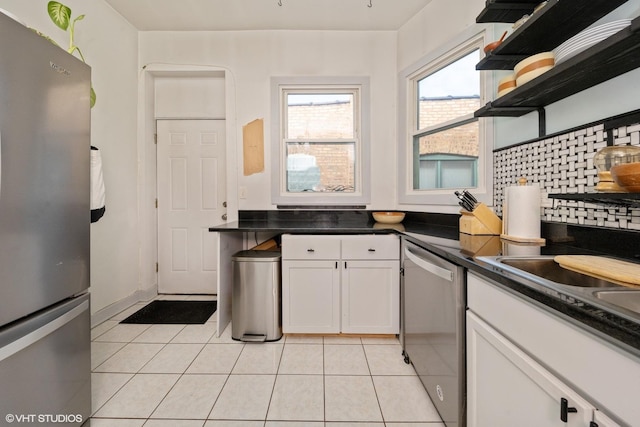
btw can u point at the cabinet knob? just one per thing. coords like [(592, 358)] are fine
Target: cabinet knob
[(565, 409), (310, 250), (371, 250)]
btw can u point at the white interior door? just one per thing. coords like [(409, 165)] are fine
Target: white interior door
[(191, 198)]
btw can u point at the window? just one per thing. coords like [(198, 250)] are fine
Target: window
[(445, 98), (320, 144), (446, 147)]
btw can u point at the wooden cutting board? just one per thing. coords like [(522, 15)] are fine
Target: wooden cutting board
[(613, 270)]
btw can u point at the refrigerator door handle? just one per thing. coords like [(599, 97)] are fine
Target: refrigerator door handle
[(33, 337)]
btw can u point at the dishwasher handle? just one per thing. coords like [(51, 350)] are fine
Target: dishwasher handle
[(426, 265)]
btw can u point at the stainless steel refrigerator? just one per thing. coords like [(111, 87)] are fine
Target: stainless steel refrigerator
[(45, 356)]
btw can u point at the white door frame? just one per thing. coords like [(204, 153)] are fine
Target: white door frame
[(146, 151)]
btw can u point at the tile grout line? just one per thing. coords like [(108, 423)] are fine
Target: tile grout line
[(225, 381), (275, 380)]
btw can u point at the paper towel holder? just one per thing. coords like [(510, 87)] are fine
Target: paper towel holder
[(505, 225)]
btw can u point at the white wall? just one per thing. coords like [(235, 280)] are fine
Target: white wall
[(109, 44), (436, 25), (252, 58)]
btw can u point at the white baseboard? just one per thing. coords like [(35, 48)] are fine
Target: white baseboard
[(111, 310)]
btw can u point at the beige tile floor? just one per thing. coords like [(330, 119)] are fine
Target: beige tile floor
[(185, 376)]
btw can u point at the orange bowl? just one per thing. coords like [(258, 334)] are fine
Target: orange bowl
[(492, 46), (627, 176), (388, 217)]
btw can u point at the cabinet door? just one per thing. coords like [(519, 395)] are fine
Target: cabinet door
[(370, 297), (310, 297), (505, 387)]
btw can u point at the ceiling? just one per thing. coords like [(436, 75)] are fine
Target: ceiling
[(225, 15)]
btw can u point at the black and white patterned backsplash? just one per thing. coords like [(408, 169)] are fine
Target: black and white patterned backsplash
[(564, 164)]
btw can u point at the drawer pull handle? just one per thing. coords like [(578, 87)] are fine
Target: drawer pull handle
[(565, 409), (371, 250), (310, 250)]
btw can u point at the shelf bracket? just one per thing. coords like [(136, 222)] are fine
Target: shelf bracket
[(542, 122)]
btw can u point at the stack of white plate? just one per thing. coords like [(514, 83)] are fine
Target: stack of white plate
[(588, 38)]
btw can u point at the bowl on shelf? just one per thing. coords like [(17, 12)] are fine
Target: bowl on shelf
[(388, 217), (506, 84), (627, 176), (606, 184), (533, 66), (493, 45)]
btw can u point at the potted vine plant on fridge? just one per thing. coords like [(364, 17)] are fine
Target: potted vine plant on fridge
[(61, 16)]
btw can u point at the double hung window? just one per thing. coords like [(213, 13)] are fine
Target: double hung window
[(319, 143), (445, 145)]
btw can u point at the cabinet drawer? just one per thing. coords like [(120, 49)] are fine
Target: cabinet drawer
[(310, 247), (371, 247)]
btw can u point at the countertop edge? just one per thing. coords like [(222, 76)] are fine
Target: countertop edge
[(617, 331)]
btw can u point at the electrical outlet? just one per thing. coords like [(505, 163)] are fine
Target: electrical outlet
[(242, 192)]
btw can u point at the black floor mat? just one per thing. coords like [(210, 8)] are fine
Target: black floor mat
[(173, 312)]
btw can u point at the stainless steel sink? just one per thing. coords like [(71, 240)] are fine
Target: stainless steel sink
[(543, 273), (629, 298), (544, 270), (548, 269)]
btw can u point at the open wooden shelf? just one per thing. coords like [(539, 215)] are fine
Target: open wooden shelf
[(506, 10), (545, 30), (618, 199), (610, 58)]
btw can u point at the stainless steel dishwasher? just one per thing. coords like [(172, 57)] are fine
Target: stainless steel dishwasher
[(433, 328)]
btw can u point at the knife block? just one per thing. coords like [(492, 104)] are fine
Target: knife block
[(482, 221)]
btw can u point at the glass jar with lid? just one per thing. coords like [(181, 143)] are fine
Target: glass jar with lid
[(610, 156)]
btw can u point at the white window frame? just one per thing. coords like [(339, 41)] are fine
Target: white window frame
[(279, 88), (442, 199)]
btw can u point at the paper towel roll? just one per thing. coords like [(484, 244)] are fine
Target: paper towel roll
[(521, 213), (511, 248)]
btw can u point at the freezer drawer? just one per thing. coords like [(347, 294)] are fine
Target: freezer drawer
[(45, 366)]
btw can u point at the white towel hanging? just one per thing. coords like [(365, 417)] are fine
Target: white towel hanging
[(97, 186)]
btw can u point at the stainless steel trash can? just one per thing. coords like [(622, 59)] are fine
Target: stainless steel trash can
[(255, 304)]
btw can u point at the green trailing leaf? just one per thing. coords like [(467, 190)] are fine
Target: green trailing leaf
[(92, 97), (59, 14)]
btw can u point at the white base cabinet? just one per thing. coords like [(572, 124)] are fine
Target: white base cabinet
[(527, 366), (310, 297), (341, 284), (370, 297), (506, 387)]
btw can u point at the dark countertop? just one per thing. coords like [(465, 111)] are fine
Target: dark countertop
[(439, 234)]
